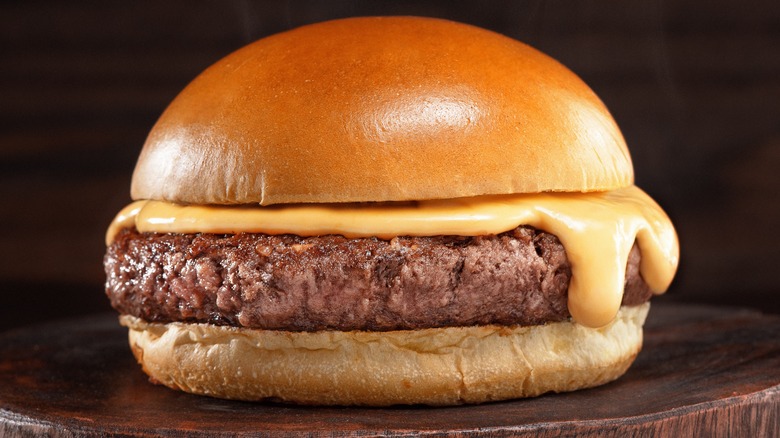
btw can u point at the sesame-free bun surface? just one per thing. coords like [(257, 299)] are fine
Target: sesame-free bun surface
[(381, 109), (438, 366)]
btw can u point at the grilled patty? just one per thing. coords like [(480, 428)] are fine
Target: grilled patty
[(295, 283)]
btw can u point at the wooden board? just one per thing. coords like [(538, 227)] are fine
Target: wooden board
[(704, 371)]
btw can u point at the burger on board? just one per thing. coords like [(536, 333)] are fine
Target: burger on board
[(386, 210)]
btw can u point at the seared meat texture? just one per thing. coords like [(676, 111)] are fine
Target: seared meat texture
[(287, 282)]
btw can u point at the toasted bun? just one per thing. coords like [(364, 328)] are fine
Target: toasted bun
[(381, 109), (442, 366)]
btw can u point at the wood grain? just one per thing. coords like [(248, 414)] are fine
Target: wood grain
[(704, 371)]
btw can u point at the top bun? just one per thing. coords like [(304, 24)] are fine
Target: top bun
[(381, 109)]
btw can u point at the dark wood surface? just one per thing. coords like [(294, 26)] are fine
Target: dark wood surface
[(704, 371)]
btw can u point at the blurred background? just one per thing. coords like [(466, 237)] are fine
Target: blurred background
[(695, 87)]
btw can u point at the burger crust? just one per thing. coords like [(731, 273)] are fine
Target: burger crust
[(440, 366), (381, 109)]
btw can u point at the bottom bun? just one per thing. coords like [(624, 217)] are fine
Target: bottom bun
[(438, 366)]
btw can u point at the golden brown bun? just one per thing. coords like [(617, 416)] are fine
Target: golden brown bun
[(443, 366), (381, 109)]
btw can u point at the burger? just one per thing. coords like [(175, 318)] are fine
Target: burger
[(386, 210)]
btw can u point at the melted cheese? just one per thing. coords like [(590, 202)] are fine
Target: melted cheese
[(597, 229)]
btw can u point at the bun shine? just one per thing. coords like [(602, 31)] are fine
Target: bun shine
[(381, 109)]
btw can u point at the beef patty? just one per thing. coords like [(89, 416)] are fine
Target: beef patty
[(287, 282)]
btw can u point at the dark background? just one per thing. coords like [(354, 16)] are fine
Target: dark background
[(695, 87)]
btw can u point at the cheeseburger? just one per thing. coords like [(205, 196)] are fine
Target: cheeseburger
[(379, 211)]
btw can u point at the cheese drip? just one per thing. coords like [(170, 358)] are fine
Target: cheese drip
[(597, 230)]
